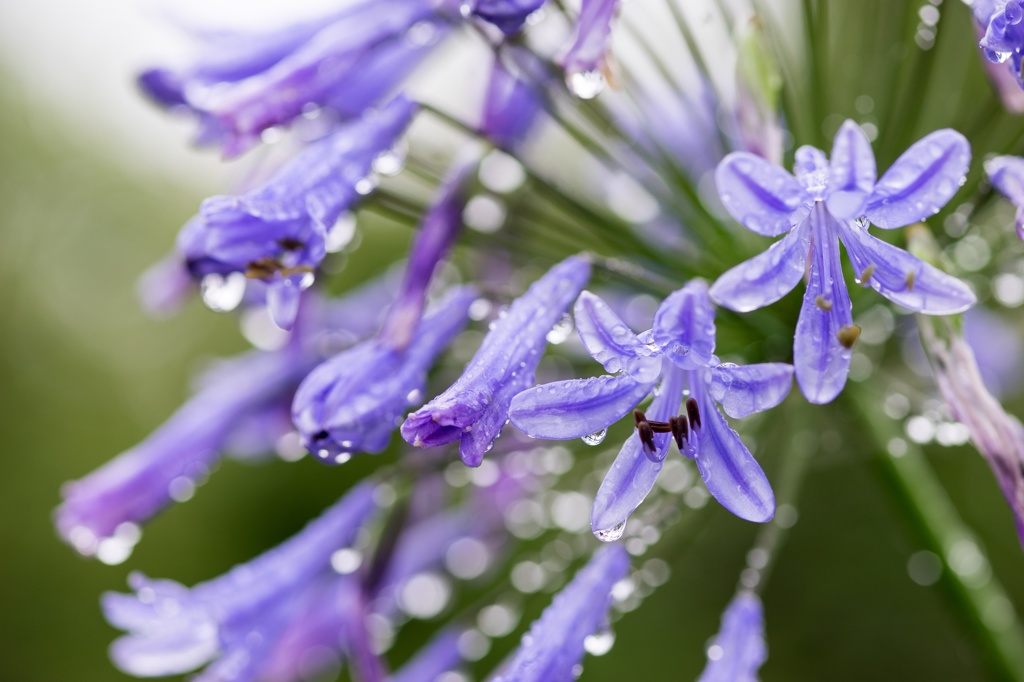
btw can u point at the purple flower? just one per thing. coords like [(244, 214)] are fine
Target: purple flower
[(475, 408), (831, 202), (738, 650), (511, 107), (352, 402), (1003, 38), (680, 351), (242, 84), (999, 436), (554, 646), (584, 60), (508, 15), (440, 655), (173, 629), (99, 512), (277, 233), (1007, 175)]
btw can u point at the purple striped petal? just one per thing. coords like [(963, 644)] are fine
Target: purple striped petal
[(554, 645), (765, 278), (820, 358), (921, 181), (744, 390), (511, 108), (903, 278), (730, 472), (611, 342), (738, 650), (852, 173), (633, 474), (575, 408), (474, 409), (1007, 175), (684, 326), (763, 197), (351, 402)]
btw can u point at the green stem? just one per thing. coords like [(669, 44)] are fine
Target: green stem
[(933, 515)]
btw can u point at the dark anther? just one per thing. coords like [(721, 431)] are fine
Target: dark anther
[(693, 413), (679, 430), (290, 244), (647, 437), (264, 269), (321, 435), (639, 417)]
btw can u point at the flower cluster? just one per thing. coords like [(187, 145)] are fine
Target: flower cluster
[(638, 218)]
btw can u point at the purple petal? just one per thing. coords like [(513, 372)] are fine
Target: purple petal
[(633, 474), (684, 326), (738, 650), (821, 361), (730, 472), (507, 15), (554, 645), (810, 161), (351, 402), (766, 278), (852, 173), (511, 108), (744, 390), (1007, 175), (440, 655), (763, 197), (921, 181), (611, 342), (283, 301), (591, 36), (575, 408), (475, 407), (903, 278)]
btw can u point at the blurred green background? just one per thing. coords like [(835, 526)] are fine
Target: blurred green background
[(85, 374)]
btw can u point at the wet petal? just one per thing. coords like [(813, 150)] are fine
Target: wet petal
[(921, 181), (575, 408), (760, 195), (633, 474), (1007, 175), (684, 326), (283, 301), (821, 360), (903, 278), (611, 342), (739, 646), (852, 173), (766, 278), (744, 390), (730, 472)]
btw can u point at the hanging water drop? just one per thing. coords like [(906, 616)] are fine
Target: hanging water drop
[(222, 293), (611, 534), (595, 438), (341, 233), (599, 643), (586, 84), (561, 331)]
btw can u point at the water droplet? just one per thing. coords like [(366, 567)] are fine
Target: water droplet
[(222, 293), (414, 396), (391, 162), (611, 534), (366, 185), (341, 233), (561, 331), (586, 84), (595, 438), (599, 643)]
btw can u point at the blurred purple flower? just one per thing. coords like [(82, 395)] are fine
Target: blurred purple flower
[(277, 233), (173, 629), (475, 408), (511, 108), (243, 84), (680, 351), (1002, 39), (738, 650), (1007, 175), (823, 205), (508, 15), (554, 646)]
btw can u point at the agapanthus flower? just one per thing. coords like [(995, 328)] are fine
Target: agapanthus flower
[(584, 59), (241, 85), (277, 233), (1007, 175), (508, 15), (511, 108), (678, 350), (738, 650), (828, 202), (475, 408), (1003, 39), (173, 629), (554, 646)]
